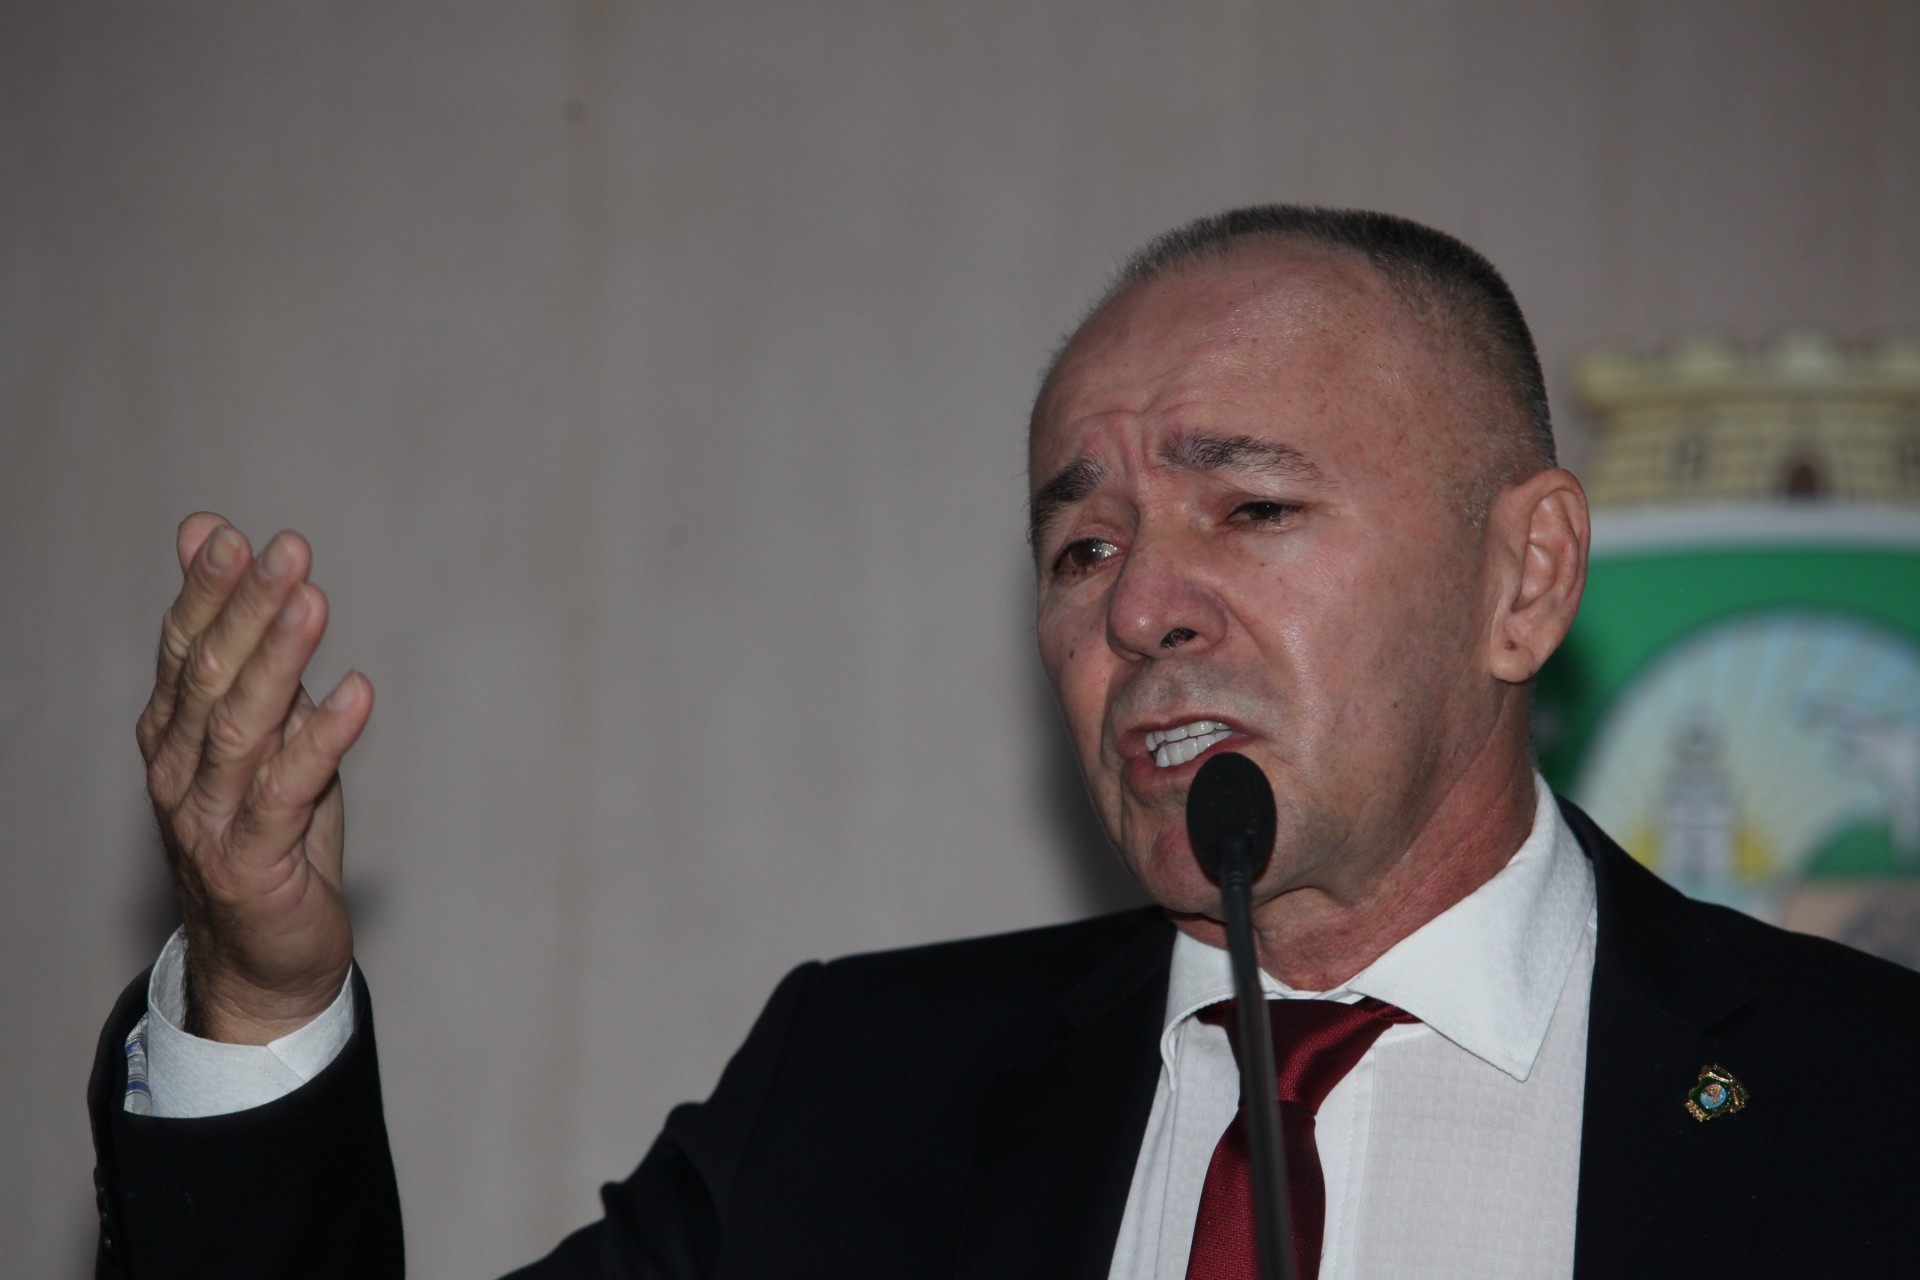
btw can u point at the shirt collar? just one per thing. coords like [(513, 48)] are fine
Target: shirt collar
[(1486, 973)]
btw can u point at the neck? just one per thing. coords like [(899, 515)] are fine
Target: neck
[(1314, 940)]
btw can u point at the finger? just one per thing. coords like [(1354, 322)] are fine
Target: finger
[(297, 718), (245, 725), (193, 532), (217, 654), (217, 566), (281, 802), (220, 560)]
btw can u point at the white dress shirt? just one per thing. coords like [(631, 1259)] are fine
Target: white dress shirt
[(173, 1074), (1451, 1149)]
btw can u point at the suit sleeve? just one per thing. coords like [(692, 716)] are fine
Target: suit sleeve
[(668, 1220), (305, 1185)]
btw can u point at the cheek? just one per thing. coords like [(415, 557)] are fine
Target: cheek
[(1351, 636), (1073, 654), (1404, 645)]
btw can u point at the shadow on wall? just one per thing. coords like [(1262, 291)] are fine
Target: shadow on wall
[(1100, 882)]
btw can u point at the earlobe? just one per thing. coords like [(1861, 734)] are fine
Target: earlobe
[(1543, 525)]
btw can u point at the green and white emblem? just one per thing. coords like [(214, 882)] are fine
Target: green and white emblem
[(1739, 702)]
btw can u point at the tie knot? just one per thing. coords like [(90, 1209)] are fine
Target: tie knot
[(1315, 1042)]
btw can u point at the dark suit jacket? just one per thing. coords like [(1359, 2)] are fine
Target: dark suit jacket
[(974, 1110)]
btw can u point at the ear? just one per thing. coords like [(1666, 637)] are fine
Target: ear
[(1537, 533)]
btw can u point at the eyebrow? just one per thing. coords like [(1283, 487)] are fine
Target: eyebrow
[(1187, 451), (1192, 452), (1072, 483)]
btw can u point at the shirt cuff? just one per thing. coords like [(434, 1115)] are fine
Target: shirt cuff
[(189, 1078)]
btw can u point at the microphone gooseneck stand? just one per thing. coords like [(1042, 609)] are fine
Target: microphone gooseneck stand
[(1231, 824)]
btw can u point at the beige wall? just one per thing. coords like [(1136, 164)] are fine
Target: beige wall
[(650, 379)]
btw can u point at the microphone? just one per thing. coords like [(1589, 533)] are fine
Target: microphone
[(1231, 824), (1230, 817)]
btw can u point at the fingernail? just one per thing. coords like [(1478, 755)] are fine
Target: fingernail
[(223, 548), (278, 560), (342, 693), (293, 611)]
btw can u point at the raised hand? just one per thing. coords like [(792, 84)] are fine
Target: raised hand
[(242, 767)]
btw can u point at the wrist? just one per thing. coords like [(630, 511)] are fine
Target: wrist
[(225, 1006)]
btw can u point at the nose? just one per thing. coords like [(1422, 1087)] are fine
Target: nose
[(1162, 603)]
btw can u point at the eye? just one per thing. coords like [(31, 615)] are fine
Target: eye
[(1265, 512), (1078, 557)]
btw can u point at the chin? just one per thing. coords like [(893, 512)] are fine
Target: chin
[(1173, 877)]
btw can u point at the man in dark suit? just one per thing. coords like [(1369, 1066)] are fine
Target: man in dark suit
[(1293, 496)]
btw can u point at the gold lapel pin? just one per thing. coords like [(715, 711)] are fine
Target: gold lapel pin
[(1716, 1093)]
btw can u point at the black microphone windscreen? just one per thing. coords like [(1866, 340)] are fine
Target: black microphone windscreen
[(1230, 801)]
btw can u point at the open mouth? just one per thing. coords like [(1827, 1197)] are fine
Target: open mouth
[(1172, 747)]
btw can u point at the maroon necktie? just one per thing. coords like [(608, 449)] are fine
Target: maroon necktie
[(1315, 1044)]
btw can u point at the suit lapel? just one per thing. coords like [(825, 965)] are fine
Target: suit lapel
[(1660, 1192), (1059, 1141)]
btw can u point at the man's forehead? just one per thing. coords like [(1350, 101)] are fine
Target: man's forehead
[(1220, 323), (1236, 313), (1241, 298)]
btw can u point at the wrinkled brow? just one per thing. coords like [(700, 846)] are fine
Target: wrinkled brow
[(1072, 483), (1237, 453), (1186, 451)]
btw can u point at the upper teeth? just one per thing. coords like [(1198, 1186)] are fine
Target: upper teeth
[(1179, 745)]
